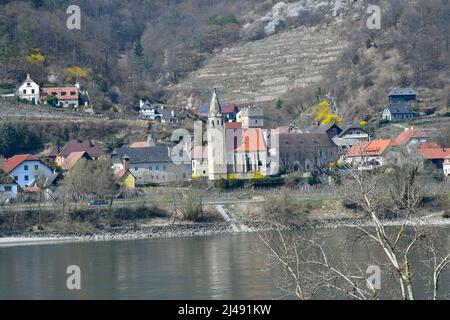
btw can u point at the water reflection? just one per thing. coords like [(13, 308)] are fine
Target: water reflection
[(215, 267)]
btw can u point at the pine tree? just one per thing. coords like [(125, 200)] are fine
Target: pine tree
[(138, 50)]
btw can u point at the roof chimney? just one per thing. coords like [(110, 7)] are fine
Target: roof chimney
[(126, 162)]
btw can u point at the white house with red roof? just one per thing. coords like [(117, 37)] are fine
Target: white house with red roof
[(25, 169)]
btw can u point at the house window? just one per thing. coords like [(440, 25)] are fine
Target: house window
[(25, 167), (164, 168), (36, 167), (72, 93), (32, 91), (157, 167), (25, 91), (28, 84), (136, 169), (16, 178), (63, 93), (8, 189), (26, 178)]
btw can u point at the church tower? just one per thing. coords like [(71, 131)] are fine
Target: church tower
[(217, 164)]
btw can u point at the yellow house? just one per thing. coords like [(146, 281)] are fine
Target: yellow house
[(127, 178)]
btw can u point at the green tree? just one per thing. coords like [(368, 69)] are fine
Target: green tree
[(52, 101), (138, 50), (8, 140)]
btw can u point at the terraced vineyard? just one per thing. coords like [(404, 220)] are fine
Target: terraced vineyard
[(264, 70)]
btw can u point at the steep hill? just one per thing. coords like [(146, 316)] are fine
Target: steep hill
[(265, 70), (283, 55)]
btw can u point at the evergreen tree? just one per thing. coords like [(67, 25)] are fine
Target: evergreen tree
[(138, 50)]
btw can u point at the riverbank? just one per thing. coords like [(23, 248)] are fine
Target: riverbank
[(196, 230)]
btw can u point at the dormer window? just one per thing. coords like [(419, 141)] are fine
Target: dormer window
[(63, 93), (54, 94), (72, 93)]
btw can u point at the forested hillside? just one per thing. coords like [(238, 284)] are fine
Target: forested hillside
[(160, 50)]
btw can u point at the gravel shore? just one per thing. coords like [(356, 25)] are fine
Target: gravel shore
[(189, 230)]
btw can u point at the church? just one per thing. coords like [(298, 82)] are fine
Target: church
[(236, 149)]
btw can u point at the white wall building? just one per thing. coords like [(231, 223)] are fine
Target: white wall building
[(29, 90)]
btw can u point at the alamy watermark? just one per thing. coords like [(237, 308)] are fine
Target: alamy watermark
[(74, 280), (74, 20), (374, 20), (374, 278)]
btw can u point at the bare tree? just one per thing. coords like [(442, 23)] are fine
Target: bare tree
[(395, 192)]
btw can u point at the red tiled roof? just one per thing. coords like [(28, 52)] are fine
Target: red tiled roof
[(73, 158), (233, 125), (429, 145), (141, 144), (407, 135), (12, 163), (33, 189), (377, 147), (433, 151), (357, 150), (122, 173), (62, 93), (228, 108), (77, 146), (373, 148), (252, 140)]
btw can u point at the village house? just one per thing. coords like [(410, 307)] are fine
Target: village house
[(150, 165), (157, 113), (368, 155), (332, 130), (75, 146), (399, 111), (125, 176), (8, 187), (24, 169), (433, 154), (350, 136), (73, 159), (67, 96), (407, 95), (306, 152), (29, 90), (412, 138)]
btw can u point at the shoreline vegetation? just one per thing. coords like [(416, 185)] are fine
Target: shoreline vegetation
[(182, 230), (186, 212)]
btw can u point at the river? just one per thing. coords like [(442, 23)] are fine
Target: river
[(213, 267)]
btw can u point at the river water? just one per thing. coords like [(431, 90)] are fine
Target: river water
[(213, 267)]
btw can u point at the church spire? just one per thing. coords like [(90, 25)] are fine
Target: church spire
[(214, 108)]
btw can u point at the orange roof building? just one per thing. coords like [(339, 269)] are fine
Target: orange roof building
[(408, 135), (66, 95)]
